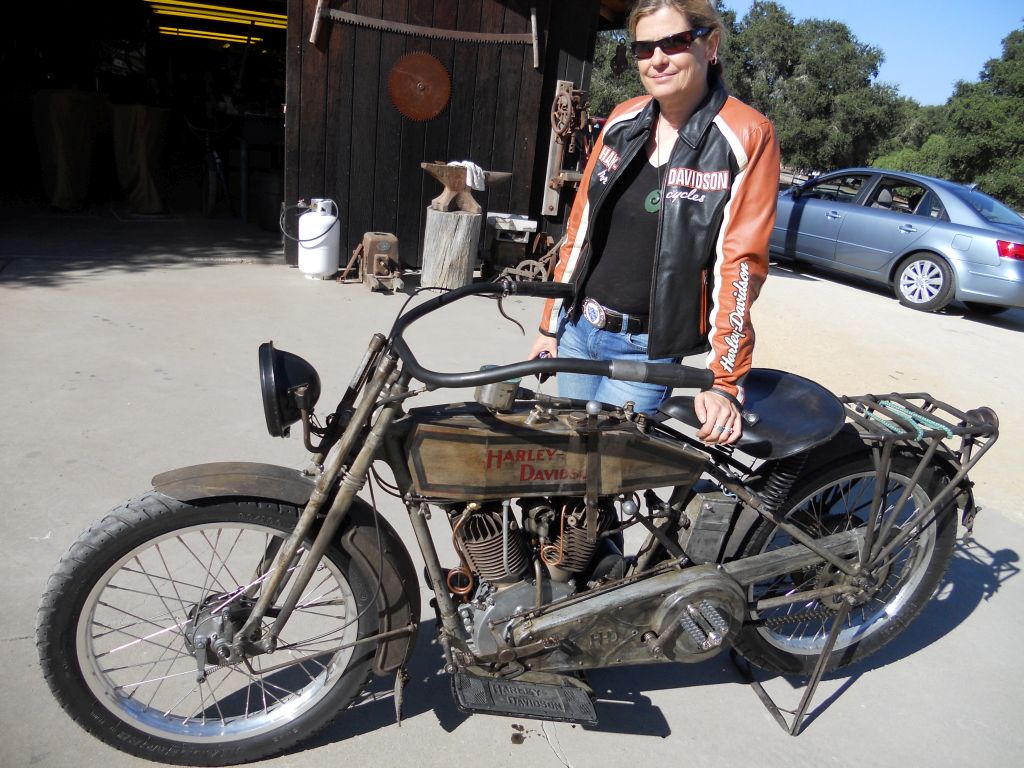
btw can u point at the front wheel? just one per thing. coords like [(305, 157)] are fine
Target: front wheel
[(789, 637), (133, 603), (924, 282)]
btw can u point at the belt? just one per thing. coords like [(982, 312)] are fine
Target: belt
[(600, 316)]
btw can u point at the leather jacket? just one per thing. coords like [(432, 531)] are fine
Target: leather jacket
[(718, 202)]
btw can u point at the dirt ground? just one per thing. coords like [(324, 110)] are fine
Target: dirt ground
[(114, 371)]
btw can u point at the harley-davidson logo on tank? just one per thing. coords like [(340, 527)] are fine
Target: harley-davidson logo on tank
[(467, 452)]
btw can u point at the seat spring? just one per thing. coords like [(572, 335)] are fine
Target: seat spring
[(780, 482)]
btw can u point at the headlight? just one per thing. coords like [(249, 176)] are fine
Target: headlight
[(289, 385)]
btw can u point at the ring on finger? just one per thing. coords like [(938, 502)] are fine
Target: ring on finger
[(720, 428)]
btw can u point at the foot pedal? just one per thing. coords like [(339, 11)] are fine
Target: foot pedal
[(521, 697)]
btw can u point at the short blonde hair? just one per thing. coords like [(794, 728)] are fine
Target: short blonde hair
[(700, 13)]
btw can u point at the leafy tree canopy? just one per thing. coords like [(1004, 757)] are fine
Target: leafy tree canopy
[(817, 83)]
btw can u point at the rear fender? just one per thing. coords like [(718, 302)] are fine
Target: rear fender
[(398, 599)]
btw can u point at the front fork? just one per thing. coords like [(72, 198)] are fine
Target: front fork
[(385, 380)]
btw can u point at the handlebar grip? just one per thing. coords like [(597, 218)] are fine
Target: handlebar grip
[(544, 290), (667, 374)]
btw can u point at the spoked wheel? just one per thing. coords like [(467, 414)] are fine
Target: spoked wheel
[(136, 624), (789, 638)]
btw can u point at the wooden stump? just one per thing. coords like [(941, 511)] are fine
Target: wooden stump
[(450, 243)]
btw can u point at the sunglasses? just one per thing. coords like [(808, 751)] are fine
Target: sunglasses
[(673, 44)]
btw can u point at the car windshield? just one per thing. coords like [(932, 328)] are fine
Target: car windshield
[(990, 208)]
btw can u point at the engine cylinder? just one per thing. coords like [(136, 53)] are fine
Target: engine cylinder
[(482, 539), (571, 550)]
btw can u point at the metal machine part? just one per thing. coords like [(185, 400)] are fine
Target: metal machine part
[(499, 396), (683, 615), (380, 268), (486, 618), (419, 86), (493, 545), (708, 518), (570, 548)]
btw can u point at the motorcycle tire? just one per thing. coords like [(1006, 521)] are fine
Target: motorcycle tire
[(788, 639), (117, 619)]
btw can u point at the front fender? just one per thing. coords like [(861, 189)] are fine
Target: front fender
[(235, 478), (398, 599)]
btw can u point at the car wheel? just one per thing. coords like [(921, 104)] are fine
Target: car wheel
[(924, 282), (984, 309)]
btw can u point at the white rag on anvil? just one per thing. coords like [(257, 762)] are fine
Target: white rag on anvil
[(474, 174)]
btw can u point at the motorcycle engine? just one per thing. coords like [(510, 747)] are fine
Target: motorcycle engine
[(499, 552)]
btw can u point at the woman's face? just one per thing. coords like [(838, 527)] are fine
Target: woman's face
[(682, 75)]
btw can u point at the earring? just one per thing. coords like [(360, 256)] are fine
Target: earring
[(714, 60)]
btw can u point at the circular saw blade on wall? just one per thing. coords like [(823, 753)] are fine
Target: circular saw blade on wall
[(419, 86)]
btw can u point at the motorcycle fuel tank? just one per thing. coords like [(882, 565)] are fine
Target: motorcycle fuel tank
[(464, 451)]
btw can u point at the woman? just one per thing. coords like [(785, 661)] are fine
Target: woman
[(667, 241)]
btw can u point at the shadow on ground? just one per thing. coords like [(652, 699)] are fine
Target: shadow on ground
[(44, 247), (1010, 319), (975, 575)]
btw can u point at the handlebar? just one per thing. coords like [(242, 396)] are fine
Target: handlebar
[(545, 290), (667, 374)]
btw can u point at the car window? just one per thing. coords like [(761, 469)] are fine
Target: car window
[(931, 207), (896, 195), (841, 189), (990, 208)]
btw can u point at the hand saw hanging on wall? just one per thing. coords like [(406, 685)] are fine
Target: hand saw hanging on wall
[(432, 33)]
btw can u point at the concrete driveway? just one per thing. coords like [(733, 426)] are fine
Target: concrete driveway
[(116, 369)]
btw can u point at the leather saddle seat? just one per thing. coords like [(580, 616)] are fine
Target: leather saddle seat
[(791, 414)]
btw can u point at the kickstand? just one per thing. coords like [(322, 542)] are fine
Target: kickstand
[(812, 683), (401, 678)]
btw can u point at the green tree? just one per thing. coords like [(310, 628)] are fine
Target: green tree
[(610, 81), (761, 55), (828, 113), (985, 128)]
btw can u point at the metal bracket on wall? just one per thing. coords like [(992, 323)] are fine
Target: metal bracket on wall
[(554, 172), (432, 33)]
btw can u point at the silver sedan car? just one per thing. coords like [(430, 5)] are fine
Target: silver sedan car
[(932, 240)]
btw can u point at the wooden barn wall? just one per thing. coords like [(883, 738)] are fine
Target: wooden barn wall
[(569, 56), (345, 140)]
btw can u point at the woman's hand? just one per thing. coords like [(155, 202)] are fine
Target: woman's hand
[(720, 417), (544, 343)]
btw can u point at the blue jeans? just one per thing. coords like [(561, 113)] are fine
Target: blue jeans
[(579, 339)]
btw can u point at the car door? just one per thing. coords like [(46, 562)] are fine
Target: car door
[(808, 227), (882, 226)]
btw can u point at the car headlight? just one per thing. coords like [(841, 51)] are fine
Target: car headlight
[(289, 385)]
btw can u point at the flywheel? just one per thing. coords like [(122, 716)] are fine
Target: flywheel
[(419, 86)]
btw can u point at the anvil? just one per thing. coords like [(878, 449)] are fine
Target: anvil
[(455, 188)]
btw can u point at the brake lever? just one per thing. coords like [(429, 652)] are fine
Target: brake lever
[(542, 377), (501, 310)]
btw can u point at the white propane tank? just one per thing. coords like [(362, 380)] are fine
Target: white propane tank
[(319, 239)]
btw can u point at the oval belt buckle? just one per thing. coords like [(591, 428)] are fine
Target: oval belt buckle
[(594, 313)]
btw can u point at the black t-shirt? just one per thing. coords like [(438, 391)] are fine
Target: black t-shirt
[(623, 242)]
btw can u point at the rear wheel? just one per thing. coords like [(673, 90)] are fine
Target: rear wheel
[(789, 638), (924, 282), (139, 592)]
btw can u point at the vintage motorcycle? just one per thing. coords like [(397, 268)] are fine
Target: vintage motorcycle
[(236, 608)]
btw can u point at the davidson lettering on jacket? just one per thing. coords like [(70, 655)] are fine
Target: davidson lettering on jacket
[(703, 181)]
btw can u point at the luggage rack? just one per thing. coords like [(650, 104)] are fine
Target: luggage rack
[(961, 438)]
